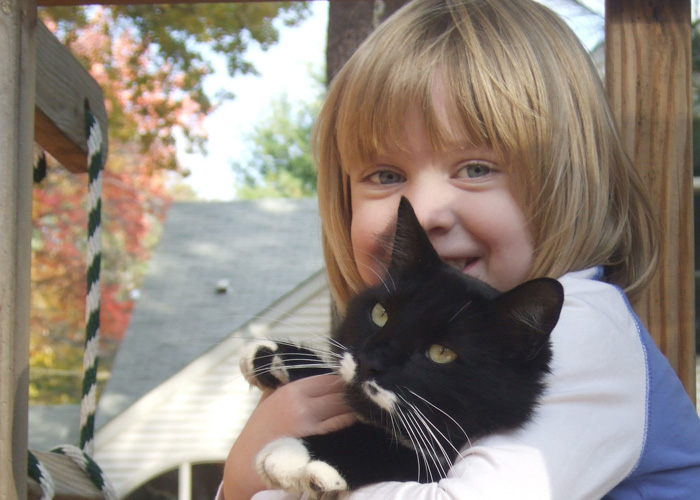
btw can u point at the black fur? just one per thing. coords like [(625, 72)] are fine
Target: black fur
[(502, 348)]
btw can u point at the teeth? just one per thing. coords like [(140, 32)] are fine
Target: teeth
[(459, 264)]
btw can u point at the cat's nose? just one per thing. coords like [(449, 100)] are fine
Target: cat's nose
[(370, 367), (367, 372)]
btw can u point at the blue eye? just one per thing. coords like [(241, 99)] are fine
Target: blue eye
[(386, 177), (475, 170)]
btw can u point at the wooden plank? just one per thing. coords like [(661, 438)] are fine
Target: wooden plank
[(648, 78), (17, 49), (62, 88), (70, 482)]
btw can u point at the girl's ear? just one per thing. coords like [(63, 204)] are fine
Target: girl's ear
[(528, 313), (411, 248)]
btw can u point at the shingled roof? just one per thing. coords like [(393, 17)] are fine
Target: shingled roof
[(217, 265)]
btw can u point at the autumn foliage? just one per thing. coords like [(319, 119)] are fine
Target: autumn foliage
[(151, 62), (134, 204)]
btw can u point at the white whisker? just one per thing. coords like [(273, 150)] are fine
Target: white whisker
[(426, 421), (412, 437), (427, 450), (466, 436), (433, 441), (379, 276), (460, 310)]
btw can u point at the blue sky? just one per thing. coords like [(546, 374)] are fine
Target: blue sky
[(283, 68)]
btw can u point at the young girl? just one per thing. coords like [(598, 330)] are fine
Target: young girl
[(490, 118)]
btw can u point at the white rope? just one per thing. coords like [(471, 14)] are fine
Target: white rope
[(40, 474)]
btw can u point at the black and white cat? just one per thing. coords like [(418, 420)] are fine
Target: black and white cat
[(431, 360)]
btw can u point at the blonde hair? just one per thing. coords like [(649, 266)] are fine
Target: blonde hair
[(518, 80)]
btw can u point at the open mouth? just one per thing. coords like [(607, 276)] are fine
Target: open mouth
[(462, 265)]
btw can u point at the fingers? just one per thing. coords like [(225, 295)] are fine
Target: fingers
[(306, 407), (322, 385), (338, 422), (314, 405), (316, 386)]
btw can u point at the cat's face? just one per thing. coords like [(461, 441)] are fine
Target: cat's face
[(433, 345)]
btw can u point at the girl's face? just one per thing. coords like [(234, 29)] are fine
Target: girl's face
[(462, 199)]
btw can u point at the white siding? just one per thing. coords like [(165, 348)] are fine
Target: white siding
[(197, 414)]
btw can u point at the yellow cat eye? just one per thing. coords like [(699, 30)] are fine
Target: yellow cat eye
[(440, 354), (379, 315)]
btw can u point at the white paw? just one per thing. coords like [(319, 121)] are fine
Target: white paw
[(276, 368), (285, 464), (281, 463), (321, 477)]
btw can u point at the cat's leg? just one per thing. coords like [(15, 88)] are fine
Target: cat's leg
[(364, 454), (286, 464), (330, 465), (267, 364)]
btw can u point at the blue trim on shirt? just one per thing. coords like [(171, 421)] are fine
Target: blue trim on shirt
[(598, 276), (669, 464)]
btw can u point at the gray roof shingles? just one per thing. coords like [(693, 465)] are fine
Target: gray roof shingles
[(263, 248)]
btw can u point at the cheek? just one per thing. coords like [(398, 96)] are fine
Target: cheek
[(366, 254), (506, 233), (512, 272), (371, 258), (513, 257)]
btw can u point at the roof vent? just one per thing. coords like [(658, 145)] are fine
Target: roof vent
[(222, 286)]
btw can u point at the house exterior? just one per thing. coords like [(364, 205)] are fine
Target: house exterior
[(222, 274)]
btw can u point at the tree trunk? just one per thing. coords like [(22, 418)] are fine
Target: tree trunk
[(349, 23)]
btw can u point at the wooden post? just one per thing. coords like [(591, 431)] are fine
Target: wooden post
[(17, 67), (648, 78)]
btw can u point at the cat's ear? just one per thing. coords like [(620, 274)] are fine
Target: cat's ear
[(529, 312), (411, 248)]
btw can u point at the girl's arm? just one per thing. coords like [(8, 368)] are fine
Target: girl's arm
[(308, 406)]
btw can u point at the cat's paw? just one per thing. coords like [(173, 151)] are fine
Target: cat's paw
[(262, 366), (286, 464), (322, 478), (281, 463)]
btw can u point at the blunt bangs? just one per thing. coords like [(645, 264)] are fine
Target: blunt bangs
[(490, 101)]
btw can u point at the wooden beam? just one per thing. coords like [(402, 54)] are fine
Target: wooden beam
[(17, 49), (62, 88), (648, 78)]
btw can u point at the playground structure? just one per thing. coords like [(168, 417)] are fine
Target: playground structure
[(43, 94)]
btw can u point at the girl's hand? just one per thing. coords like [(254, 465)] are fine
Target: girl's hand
[(305, 407)]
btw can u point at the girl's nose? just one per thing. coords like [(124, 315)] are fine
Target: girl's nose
[(434, 210)]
